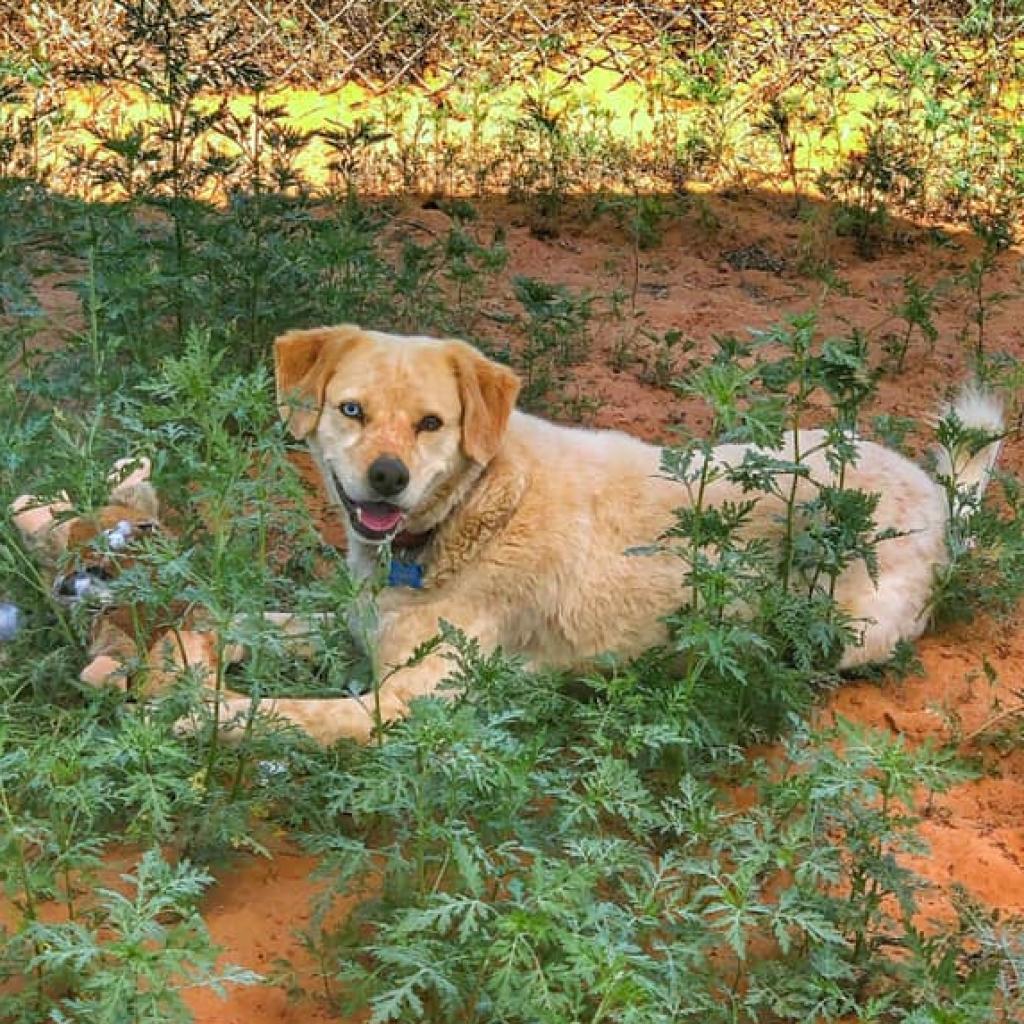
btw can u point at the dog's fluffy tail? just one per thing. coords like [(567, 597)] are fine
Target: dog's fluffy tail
[(971, 433)]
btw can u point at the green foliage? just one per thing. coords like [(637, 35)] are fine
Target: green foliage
[(912, 113), (542, 122), (112, 954), (642, 216), (779, 124), (996, 235), (548, 848), (126, 956), (599, 887), (916, 312), (893, 431), (873, 179), (557, 332)]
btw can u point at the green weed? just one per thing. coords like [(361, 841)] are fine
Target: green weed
[(557, 333), (916, 312), (547, 848), (544, 849)]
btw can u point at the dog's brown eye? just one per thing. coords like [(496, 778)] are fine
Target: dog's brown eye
[(429, 423)]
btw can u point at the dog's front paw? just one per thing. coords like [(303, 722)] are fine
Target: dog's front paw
[(104, 670), (232, 719)]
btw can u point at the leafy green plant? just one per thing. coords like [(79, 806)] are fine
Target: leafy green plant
[(595, 887), (556, 328), (660, 365), (643, 217), (916, 312), (713, 137), (172, 58), (544, 174), (29, 114), (126, 956), (109, 953), (826, 528), (469, 266), (893, 431), (996, 235), (780, 125), (872, 178), (348, 145)]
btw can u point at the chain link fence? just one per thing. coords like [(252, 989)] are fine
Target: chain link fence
[(433, 43), (908, 102)]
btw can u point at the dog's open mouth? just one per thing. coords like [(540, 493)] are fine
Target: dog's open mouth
[(374, 520)]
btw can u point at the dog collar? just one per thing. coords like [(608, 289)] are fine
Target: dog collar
[(406, 541), (405, 574), (406, 569)]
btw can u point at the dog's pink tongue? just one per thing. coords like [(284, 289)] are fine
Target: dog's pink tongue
[(379, 519)]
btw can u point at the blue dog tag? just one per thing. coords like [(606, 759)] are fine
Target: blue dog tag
[(405, 574)]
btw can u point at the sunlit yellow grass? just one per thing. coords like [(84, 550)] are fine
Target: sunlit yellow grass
[(451, 133)]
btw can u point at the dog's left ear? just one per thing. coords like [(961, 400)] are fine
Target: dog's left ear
[(488, 391)]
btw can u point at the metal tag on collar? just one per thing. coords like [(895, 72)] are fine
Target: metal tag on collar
[(405, 574)]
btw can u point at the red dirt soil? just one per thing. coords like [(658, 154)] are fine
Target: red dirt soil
[(254, 912), (976, 832)]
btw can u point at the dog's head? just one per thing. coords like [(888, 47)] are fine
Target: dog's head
[(393, 421), (85, 553)]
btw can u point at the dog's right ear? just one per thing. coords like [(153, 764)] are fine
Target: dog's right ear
[(303, 362)]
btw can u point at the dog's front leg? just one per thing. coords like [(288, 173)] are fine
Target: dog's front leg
[(407, 623)]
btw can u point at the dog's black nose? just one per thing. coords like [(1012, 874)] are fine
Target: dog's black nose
[(387, 475)]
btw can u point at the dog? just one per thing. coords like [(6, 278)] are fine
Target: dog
[(131, 647), (522, 533), (84, 555)]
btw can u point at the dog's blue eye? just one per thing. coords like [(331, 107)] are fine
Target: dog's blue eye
[(429, 423), (353, 410)]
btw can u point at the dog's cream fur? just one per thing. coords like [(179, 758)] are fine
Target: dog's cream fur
[(531, 523)]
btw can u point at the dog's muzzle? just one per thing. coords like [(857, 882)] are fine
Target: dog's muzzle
[(374, 521)]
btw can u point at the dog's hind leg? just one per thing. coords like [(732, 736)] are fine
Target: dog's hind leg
[(892, 609)]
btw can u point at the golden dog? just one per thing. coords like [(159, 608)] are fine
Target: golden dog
[(518, 531)]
